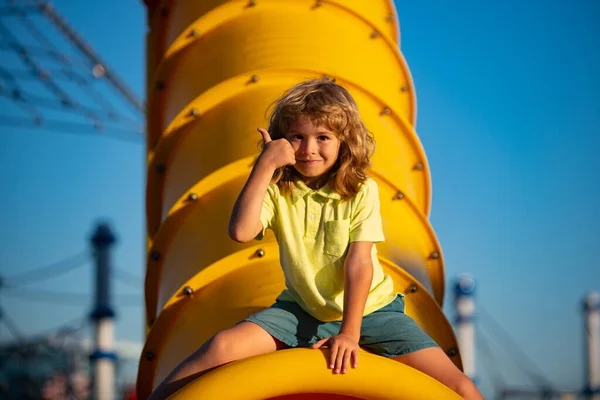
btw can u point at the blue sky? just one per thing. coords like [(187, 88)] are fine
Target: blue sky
[(508, 113)]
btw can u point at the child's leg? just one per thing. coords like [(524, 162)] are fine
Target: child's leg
[(391, 333), (242, 341), (434, 362)]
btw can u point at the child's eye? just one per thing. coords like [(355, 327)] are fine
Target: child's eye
[(323, 137)]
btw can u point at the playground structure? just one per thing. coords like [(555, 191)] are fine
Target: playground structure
[(213, 68)]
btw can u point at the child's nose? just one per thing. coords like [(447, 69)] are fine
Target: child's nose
[(308, 146)]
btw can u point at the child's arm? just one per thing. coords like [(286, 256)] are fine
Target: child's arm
[(358, 276), (365, 229), (244, 223)]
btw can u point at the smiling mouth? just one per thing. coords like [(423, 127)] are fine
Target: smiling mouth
[(309, 161)]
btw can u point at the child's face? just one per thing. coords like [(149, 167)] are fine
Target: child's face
[(316, 149)]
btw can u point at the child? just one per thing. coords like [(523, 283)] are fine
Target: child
[(309, 185)]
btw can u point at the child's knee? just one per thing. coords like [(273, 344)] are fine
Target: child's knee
[(219, 347), (463, 386)]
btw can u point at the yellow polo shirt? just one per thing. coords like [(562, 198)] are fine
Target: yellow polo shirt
[(313, 229)]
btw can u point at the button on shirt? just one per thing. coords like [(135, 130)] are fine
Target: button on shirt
[(313, 229)]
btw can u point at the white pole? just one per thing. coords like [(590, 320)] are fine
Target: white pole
[(591, 306), (103, 357), (465, 323)]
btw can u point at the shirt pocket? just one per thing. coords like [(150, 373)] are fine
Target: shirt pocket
[(337, 236)]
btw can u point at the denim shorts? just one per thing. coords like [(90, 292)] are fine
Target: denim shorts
[(387, 332)]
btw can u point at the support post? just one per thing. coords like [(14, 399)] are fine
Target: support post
[(464, 292), (103, 357), (591, 308)]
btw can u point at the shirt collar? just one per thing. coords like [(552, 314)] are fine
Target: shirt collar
[(300, 190)]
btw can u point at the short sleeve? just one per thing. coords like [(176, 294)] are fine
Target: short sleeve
[(365, 221), (267, 214)]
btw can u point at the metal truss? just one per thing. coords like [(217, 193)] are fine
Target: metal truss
[(51, 79)]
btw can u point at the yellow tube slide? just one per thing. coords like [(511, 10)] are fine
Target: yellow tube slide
[(214, 67)]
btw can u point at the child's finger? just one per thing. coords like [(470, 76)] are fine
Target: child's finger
[(291, 155), (333, 358), (339, 362), (346, 360), (265, 135), (320, 343), (354, 358)]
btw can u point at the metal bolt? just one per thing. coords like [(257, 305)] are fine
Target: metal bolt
[(434, 255), (260, 252), (374, 35), (194, 112), (399, 196), (418, 166), (155, 255), (160, 85), (192, 197), (404, 88), (160, 168), (389, 18), (164, 12), (452, 352), (251, 3), (194, 33), (318, 4), (149, 355), (98, 71), (254, 78), (152, 321), (188, 291), (413, 288), (386, 111)]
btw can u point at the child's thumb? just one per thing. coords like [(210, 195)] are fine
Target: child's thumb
[(320, 343), (265, 135)]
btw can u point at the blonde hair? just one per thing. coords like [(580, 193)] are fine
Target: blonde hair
[(324, 102)]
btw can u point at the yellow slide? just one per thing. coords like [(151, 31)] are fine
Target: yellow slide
[(214, 67)]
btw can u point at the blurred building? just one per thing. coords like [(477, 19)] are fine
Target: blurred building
[(57, 367)]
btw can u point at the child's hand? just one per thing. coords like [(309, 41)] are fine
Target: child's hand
[(343, 350), (277, 153)]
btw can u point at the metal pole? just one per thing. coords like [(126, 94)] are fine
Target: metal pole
[(464, 291), (591, 307), (103, 357)]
